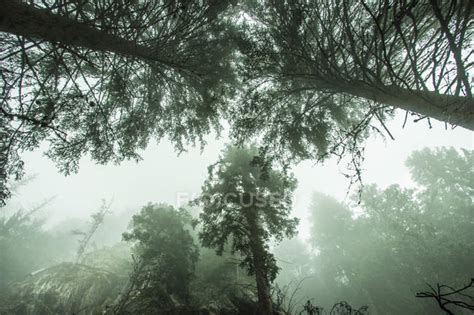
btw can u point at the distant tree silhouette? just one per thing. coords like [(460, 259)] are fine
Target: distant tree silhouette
[(399, 238)]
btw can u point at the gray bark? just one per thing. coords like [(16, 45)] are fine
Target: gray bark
[(24, 20), (258, 252), (456, 110), (21, 19)]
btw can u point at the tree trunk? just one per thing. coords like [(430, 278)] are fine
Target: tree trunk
[(263, 288), (258, 252), (457, 110), (22, 19)]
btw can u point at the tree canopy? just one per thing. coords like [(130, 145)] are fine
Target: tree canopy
[(105, 77), (166, 252), (320, 74), (306, 79)]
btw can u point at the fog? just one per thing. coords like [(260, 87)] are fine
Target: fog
[(87, 216), (164, 176), (331, 170)]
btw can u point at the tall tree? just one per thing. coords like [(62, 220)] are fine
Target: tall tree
[(104, 77), (245, 203), (322, 73)]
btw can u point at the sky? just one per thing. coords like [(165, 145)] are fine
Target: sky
[(162, 176)]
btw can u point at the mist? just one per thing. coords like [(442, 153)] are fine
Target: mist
[(236, 157), (163, 175)]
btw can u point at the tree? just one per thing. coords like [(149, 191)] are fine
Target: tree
[(321, 74), (446, 295), (401, 238), (165, 251), (86, 236), (245, 203), (105, 77)]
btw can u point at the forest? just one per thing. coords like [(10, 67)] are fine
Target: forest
[(264, 157)]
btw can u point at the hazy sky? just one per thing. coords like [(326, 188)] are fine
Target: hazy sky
[(164, 177)]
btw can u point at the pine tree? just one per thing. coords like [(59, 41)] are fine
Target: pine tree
[(246, 202)]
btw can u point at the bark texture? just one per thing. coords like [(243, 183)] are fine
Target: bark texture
[(457, 110), (25, 20), (22, 19), (258, 253)]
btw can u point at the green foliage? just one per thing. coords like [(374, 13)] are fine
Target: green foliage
[(109, 104), (239, 187), (401, 238), (447, 177), (293, 105), (165, 248), (321, 76), (308, 80)]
